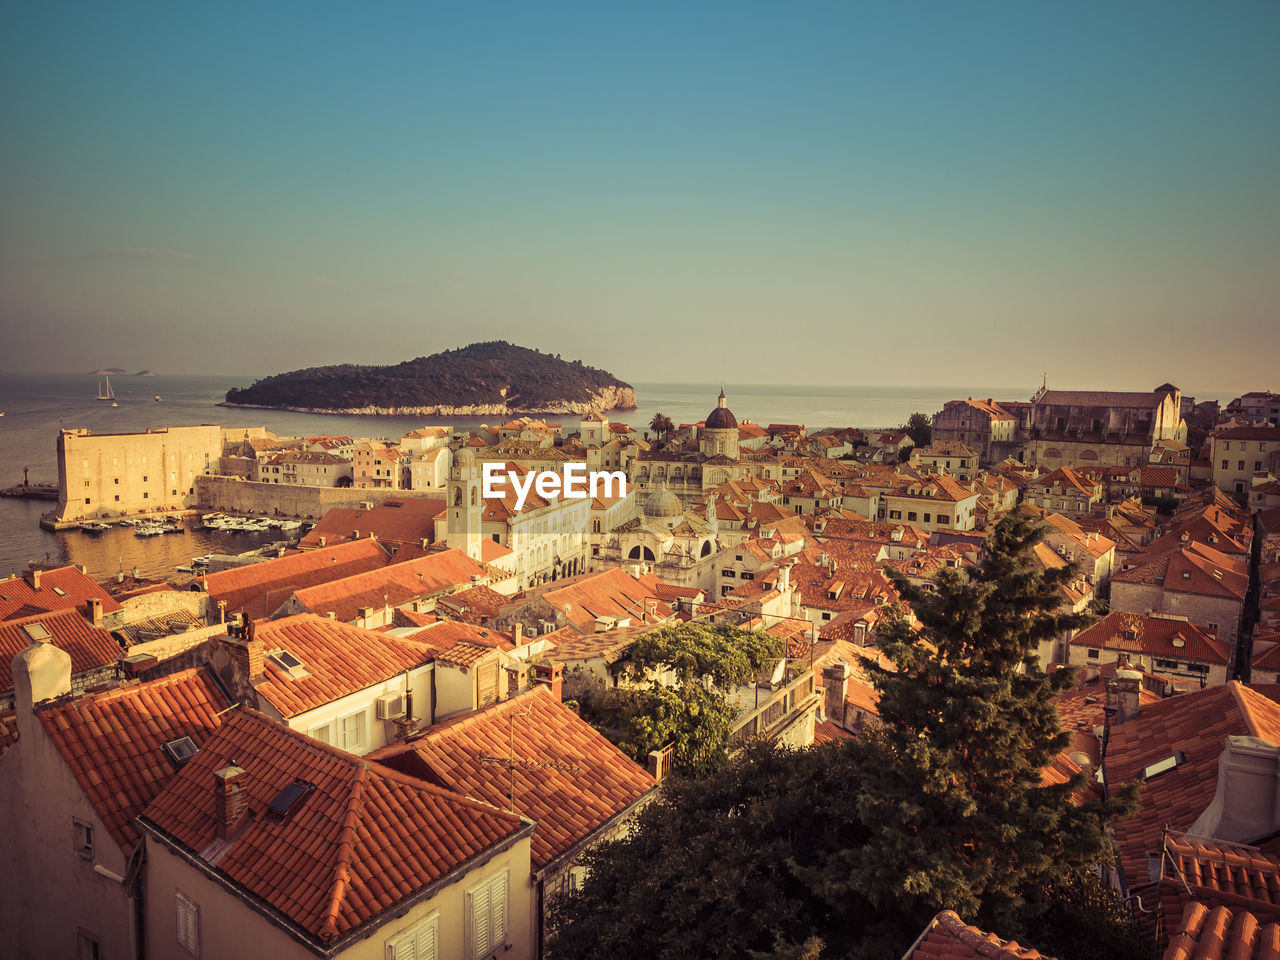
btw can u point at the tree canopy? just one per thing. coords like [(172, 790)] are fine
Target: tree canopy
[(692, 712), (849, 850), (919, 428)]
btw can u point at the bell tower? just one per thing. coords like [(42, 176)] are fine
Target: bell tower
[(465, 505)]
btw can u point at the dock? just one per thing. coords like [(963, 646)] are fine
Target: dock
[(32, 491)]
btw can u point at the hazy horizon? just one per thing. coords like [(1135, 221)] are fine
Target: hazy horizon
[(822, 193)]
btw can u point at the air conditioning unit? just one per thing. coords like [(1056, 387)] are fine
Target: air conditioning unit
[(390, 706)]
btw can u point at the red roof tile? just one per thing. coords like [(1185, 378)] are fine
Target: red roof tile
[(362, 841), (339, 659), (62, 589), (89, 646), (1219, 933), (569, 778), (948, 938), (1157, 636), (113, 741), (259, 589), (393, 585), (397, 520)]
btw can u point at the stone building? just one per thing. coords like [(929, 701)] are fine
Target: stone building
[(983, 425), (1101, 428), (114, 474)]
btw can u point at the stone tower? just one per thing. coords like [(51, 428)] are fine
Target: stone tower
[(465, 505)]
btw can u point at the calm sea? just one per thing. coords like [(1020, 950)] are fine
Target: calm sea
[(36, 406)]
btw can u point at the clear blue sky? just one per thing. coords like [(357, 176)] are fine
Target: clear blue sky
[(827, 192)]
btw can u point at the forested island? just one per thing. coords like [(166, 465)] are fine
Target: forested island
[(482, 379)]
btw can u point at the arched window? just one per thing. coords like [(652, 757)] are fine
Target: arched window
[(1088, 455), (640, 553), (706, 549), (457, 497), (1053, 452), (473, 496)]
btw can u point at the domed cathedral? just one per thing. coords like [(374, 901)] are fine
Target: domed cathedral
[(676, 544), (720, 434), (465, 504), (688, 469)]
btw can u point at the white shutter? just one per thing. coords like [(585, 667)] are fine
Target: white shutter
[(498, 909), (425, 945), (416, 943), (480, 932), (188, 924)]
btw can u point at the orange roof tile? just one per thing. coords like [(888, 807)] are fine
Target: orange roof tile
[(611, 593), (1154, 635), (947, 937), (569, 778), (62, 589), (1219, 933), (113, 741), (259, 589), (393, 585), (365, 839), (339, 659), (396, 520), (89, 646)]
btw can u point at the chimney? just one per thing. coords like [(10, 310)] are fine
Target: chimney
[(32, 577), (1123, 694), (517, 677), (552, 675), (40, 672), (1246, 806), (247, 659), (93, 610), (835, 681), (517, 634), (659, 762), (231, 802)]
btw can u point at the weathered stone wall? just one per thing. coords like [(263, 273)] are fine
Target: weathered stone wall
[(1220, 615), (231, 495), (114, 474)]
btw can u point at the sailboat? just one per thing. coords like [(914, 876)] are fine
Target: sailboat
[(109, 395)]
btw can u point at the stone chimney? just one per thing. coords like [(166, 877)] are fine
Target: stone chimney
[(241, 662), (517, 633), (835, 685), (231, 802), (552, 675), (1246, 806), (40, 672), (517, 677), (1123, 694), (93, 611), (32, 577)]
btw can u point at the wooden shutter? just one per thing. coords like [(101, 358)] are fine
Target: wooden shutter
[(481, 939), (416, 943), (188, 924)]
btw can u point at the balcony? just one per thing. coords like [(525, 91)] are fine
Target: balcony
[(771, 717)]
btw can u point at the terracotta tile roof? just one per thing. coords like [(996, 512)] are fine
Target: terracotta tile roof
[(1070, 479), (1220, 933), (339, 658), (1217, 874), (395, 520), (828, 732), (260, 588), (1197, 724), (1158, 636), (569, 778), (611, 593), (394, 584), (90, 647), (361, 842), (113, 741), (1194, 569), (1249, 433), (947, 937), (474, 604), (62, 589)]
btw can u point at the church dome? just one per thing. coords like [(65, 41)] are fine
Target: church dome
[(721, 418), (663, 504)]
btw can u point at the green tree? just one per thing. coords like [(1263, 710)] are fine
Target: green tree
[(677, 690), (849, 850), (662, 425), (953, 797), (919, 428)]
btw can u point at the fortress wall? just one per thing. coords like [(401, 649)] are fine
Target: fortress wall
[(232, 495)]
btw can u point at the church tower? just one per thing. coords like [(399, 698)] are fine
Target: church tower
[(720, 433), (465, 505)]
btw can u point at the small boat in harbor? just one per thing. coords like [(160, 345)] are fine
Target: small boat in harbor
[(93, 526)]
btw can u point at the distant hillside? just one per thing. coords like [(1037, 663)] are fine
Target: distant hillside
[(481, 379)]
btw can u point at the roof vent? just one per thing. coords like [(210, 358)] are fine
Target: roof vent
[(180, 750), (289, 799)]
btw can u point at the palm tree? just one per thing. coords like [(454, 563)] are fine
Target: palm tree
[(661, 424)]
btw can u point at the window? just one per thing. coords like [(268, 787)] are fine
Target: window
[(87, 501), (188, 923), (86, 483), (1225, 464), (826, 616), (82, 838), (1257, 465), (418, 942), (116, 481), (323, 733), (911, 515), (1093, 654), (895, 514), (926, 518), (1239, 464), (353, 731), (944, 518), (144, 478), (487, 921), (117, 500)]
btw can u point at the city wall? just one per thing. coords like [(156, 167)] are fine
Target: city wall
[(233, 495)]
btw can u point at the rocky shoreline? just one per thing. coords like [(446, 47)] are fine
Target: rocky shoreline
[(612, 398)]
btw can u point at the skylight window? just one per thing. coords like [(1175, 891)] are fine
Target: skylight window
[(180, 750), (288, 799), (1152, 770), (289, 663), (38, 632)]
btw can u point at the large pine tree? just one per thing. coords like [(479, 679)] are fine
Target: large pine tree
[(951, 792)]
